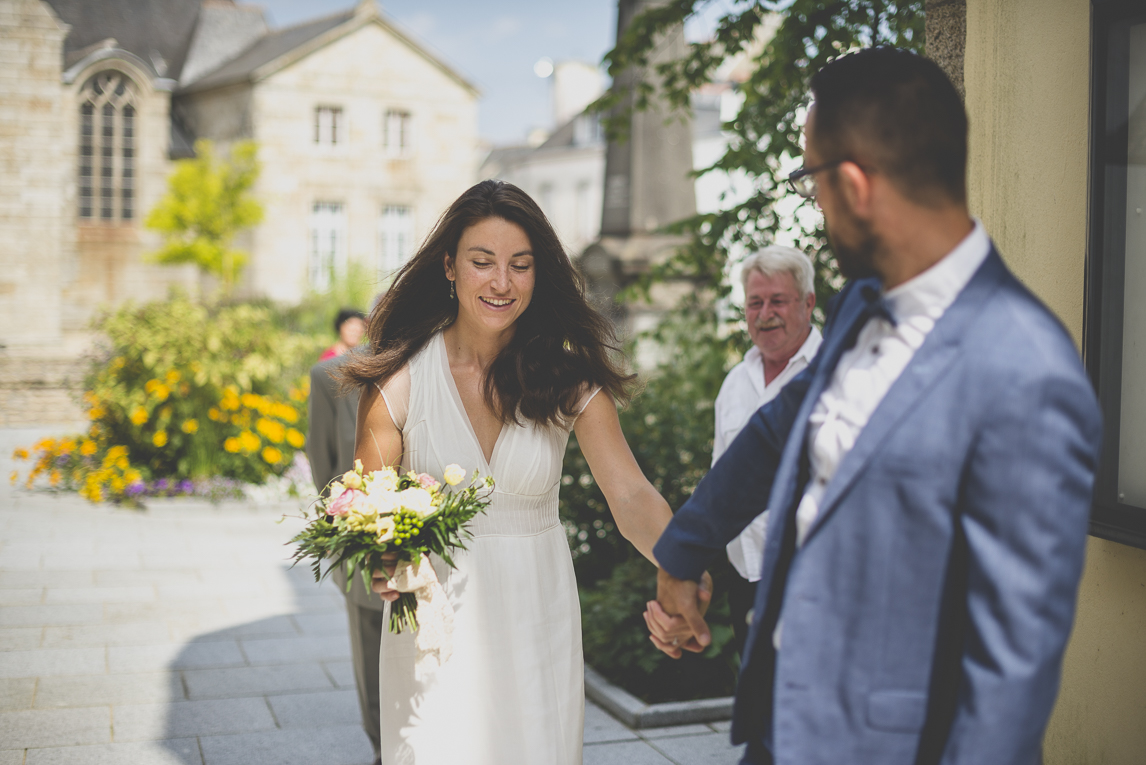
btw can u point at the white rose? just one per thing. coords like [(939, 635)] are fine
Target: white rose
[(352, 480), (454, 474), (336, 490), (383, 502), (416, 499)]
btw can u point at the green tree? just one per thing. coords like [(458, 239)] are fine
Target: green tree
[(208, 202), (764, 136)]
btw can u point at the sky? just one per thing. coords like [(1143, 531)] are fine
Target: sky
[(494, 44)]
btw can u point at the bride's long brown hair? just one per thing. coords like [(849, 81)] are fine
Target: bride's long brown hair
[(560, 344)]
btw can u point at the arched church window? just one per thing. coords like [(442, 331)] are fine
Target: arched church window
[(107, 148)]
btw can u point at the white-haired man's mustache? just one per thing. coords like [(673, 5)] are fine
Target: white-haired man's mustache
[(772, 324)]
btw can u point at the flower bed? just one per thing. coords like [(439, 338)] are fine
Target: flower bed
[(182, 401)]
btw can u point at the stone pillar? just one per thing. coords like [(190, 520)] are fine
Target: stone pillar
[(647, 186), (946, 33)]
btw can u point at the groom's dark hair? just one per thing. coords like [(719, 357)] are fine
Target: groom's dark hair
[(898, 112)]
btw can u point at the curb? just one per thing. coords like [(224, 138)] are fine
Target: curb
[(636, 714)]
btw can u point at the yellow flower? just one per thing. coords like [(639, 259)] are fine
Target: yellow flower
[(165, 412), (54, 478), (272, 455), (96, 412), (249, 441), (454, 474), (286, 412), (160, 438), (88, 448), (232, 445), (151, 385), (216, 415), (230, 400), (14, 477), (190, 426), (116, 452), (67, 446), (117, 363), (270, 429), (20, 454), (173, 376), (122, 462), (250, 400), (294, 438), (162, 392), (139, 416), (385, 528)]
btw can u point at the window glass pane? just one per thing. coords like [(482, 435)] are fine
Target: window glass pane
[(327, 243), (87, 131), (395, 239), (1132, 435), (127, 190), (107, 162)]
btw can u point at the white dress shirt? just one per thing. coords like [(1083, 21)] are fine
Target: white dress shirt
[(866, 372), (741, 394)]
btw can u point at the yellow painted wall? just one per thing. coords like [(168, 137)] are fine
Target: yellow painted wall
[(1026, 73)]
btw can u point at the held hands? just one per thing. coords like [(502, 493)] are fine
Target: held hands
[(381, 582), (676, 618)]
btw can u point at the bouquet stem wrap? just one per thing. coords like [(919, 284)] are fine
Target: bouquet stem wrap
[(435, 615)]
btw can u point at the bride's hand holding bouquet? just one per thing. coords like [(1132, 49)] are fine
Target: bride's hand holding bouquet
[(386, 524)]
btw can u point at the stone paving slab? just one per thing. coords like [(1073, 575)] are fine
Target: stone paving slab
[(180, 636)]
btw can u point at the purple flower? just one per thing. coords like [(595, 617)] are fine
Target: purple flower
[(186, 486), (160, 485), (135, 488)]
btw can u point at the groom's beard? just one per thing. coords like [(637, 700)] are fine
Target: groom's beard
[(855, 250)]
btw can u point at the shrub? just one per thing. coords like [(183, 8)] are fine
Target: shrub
[(179, 393), (669, 428)]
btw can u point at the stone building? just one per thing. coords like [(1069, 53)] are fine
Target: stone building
[(365, 137)]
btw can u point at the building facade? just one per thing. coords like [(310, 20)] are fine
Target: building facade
[(364, 138)]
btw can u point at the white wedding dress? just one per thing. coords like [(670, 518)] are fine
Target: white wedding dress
[(513, 691)]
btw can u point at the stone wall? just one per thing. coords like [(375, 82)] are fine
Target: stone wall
[(33, 173), (38, 391)]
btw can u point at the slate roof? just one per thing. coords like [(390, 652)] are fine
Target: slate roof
[(267, 49), (224, 31), (142, 27)]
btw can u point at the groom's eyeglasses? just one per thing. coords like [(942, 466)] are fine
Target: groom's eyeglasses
[(803, 181)]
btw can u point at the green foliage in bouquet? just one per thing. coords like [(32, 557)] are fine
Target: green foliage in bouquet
[(194, 392), (367, 516)]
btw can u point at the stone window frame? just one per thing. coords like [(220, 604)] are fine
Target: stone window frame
[(336, 134), (404, 119), (1112, 516), (403, 225), (328, 229), (108, 149)]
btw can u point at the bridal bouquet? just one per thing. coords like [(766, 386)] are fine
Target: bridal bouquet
[(366, 516)]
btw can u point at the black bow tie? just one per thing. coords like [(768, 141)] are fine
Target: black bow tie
[(877, 304)]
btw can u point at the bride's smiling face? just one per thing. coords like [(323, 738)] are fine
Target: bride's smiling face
[(493, 273)]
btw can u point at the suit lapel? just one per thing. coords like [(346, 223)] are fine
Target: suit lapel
[(939, 350)]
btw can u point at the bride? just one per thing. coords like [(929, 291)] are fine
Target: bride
[(485, 353)]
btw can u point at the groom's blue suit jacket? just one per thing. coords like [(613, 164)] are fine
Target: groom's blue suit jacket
[(926, 614)]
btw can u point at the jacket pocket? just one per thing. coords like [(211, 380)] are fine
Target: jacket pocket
[(897, 711)]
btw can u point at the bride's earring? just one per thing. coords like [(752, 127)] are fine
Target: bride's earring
[(453, 293)]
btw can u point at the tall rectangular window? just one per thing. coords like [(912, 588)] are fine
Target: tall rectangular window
[(327, 243), (106, 175), (328, 126), (1115, 341), (396, 137), (395, 239)]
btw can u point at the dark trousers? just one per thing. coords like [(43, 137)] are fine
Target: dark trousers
[(757, 754), (741, 597), (365, 643)]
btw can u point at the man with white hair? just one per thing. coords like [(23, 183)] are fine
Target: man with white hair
[(778, 300)]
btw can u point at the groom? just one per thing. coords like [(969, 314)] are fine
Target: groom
[(929, 475)]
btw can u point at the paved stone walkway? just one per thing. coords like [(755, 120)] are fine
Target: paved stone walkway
[(178, 636)]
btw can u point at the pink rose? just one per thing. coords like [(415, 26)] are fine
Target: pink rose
[(345, 501), (428, 481)]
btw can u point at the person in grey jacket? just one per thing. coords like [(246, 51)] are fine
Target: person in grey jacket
[(330, 449)]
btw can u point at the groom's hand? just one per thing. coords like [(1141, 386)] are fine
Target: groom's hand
[(676, 618)]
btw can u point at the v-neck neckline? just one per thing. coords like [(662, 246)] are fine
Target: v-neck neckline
[(460, 404)]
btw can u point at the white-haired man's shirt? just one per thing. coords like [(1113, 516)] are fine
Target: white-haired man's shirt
[(741, 394)]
